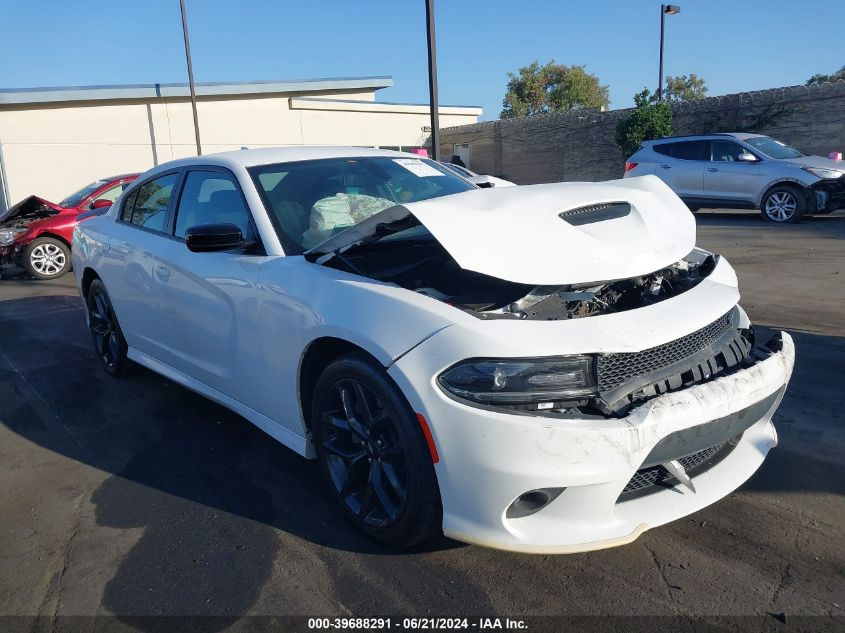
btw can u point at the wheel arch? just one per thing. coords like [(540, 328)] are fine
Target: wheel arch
[(54, 236), (797, 184), (315, 358), (88, 276)]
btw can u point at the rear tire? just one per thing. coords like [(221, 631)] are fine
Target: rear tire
[(109, 344), (373, 453), (46, 258), (783, 204)]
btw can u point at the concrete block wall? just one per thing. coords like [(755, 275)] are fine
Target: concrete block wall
[(580, 145)]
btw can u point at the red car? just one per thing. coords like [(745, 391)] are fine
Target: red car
[(36, 234)]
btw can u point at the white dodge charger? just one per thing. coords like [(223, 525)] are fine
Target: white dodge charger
[(550, 368)]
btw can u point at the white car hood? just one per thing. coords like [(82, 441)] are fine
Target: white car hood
[(517, 233)]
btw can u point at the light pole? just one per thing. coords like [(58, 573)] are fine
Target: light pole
[(665, 9), (191, 76), (432, 80)]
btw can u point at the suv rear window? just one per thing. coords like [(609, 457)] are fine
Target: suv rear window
[(686, 150)]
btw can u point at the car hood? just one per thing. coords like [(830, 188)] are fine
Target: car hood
[(817, 161), (555, 234), (31, 203)]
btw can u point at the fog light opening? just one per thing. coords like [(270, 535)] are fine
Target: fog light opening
[(533, 501)]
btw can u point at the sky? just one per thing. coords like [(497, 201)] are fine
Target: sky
[(735, 45)]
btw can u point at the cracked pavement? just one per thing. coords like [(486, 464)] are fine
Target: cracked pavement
[(136, 497)]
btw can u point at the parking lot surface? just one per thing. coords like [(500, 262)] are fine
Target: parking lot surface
[(137, 497)]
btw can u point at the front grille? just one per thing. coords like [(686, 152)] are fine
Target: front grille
[(656, 478), (615, 370)]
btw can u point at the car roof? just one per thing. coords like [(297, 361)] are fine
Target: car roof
[(122, 176), (742, 136), (285, 154)]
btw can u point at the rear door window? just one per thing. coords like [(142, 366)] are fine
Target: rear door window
[(691, 150)]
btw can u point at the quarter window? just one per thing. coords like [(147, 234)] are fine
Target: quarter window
[(147, 206), (211, 197)]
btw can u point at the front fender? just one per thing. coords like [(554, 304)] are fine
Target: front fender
[(804, 183)]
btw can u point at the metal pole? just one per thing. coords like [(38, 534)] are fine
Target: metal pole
[(660, 78), (432, 80), (191, 76)]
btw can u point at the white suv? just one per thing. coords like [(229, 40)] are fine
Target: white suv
[(743, 171)]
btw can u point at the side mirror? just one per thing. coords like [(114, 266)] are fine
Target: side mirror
[(747, 157), (102, 203), (213, 237)]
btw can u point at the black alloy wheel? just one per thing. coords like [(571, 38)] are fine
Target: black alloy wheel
[(373, 453), (109, 344)]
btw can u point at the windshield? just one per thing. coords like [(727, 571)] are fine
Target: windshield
[(74, 199), (309, 201), (772, 148)]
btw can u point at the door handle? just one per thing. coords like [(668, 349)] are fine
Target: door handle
[(712, 169), (666, 166), (163, 272)]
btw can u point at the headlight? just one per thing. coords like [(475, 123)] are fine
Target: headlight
[(8, 236), (821, 172), (540, 383)]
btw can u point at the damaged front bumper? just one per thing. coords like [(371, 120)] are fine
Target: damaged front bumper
[(719, 431), (830, 194), (10, 255)]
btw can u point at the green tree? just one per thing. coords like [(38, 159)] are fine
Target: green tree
[(552, 88), (648, 120), (819, 78), (683, 88)]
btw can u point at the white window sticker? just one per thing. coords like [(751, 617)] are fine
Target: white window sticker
[(417, 167)]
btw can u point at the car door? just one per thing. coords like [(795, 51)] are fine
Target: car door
[(207, 301), (729, 179), (683, 166), (127, 267)]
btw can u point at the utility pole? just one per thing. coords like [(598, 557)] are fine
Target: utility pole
[(432, 80), (191, 76)]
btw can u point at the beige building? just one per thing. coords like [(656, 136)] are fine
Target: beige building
[(53, 141)]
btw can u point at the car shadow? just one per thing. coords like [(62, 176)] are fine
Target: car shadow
[(156, 436), (211, 492), (833, 223)]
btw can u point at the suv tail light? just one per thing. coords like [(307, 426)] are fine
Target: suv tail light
[(630, 166)]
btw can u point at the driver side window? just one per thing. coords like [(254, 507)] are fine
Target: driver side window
[(212, 197), (726, 151)]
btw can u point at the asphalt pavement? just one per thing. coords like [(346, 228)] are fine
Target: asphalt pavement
[(136, 497)]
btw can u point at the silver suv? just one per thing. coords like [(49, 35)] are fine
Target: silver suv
[(743, 171)]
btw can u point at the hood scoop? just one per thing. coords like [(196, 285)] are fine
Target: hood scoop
[(596, 213), (547, 235)]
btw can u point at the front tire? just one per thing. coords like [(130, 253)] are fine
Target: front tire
[(46, 258), (373, 453), (109, 344), (783, 205)]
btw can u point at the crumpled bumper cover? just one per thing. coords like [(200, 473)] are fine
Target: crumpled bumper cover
[(488, 459), (830, 193), (9, 255)]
